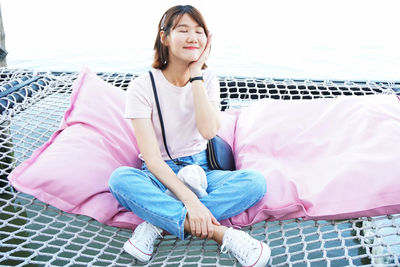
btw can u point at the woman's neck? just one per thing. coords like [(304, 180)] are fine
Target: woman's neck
[(178, 75)]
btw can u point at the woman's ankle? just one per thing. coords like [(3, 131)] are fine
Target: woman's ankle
[(219, 232)]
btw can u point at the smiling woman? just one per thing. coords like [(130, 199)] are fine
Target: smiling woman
[(192, 96)]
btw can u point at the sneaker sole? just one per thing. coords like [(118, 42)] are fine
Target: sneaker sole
[(135, 252), (265, 258)]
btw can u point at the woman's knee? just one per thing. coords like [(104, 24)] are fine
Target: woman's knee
[(256, 182), (119, 175)]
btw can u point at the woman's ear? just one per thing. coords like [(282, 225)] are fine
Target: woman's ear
[(163, 38)]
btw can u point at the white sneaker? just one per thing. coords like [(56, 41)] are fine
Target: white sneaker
[(246, 249), (141, 244)]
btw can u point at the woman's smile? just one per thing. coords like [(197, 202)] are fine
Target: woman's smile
[(191, 47)]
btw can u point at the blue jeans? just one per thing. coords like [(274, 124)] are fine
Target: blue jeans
[(229, 193)]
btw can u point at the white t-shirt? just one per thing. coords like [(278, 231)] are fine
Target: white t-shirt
[(177, 108)]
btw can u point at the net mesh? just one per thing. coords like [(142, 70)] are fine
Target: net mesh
[(32, 232)]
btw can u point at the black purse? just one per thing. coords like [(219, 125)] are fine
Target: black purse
[(219, 152)]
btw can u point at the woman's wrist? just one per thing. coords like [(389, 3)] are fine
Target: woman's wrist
[(195, 73), (189, 199), (196, 78)]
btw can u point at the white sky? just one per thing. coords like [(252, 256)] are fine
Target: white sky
[(316, 39)]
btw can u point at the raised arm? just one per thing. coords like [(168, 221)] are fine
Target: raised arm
[(207, 112)]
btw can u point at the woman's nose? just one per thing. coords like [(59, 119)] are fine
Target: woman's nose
[(191, 38)]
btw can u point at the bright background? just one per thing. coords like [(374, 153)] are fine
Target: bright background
[(341, 39)]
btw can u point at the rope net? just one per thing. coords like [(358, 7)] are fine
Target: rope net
[(32, 232)]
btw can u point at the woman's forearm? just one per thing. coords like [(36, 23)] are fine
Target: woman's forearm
[(207, 116), (170, 180)]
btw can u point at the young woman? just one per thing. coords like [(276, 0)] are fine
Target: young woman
[(189, 100)]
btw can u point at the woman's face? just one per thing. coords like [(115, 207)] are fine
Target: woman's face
[(186, 41)]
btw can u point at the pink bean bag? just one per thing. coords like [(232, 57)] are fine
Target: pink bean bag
[(323, 159)]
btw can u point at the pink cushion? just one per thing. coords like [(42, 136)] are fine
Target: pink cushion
[(322, 159), (72, 169)]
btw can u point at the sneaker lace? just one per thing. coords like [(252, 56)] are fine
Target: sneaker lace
[(147, 238), (239, 245)]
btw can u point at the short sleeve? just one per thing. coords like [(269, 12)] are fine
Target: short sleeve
[(138, 103), (212, 87)]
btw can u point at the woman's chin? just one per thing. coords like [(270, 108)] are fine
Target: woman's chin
[(189, 59), (193, 59)]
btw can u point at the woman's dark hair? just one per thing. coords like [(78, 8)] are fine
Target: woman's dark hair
[(167, 23)]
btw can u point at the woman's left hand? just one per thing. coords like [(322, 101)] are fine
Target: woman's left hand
[(195, 66)]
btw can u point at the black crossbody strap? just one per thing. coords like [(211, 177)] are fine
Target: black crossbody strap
[(160, 116)]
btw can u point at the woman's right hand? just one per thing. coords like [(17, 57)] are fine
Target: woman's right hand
[(200, 219)]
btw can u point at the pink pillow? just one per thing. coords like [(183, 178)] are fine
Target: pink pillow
[(72, 169), (322, 159)]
